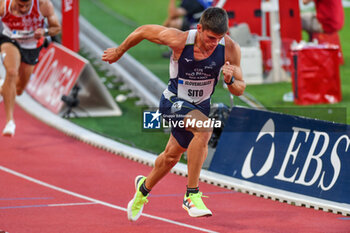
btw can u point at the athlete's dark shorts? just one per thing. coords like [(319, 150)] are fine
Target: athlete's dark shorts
[(28, 56), (175, 109)]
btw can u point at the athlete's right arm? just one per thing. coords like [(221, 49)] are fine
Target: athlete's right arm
[(155, 33)]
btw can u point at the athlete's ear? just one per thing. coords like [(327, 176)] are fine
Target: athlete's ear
[(199, 27)]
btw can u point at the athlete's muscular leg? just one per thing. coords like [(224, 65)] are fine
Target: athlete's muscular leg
[(12, 63), (198, 148), (25, 71), (165, 161)]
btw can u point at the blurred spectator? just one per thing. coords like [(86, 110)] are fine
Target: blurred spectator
[(187, 15), (184, 17), (328, 18)]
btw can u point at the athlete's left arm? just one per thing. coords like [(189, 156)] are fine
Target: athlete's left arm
[(232, 67), (54, 26)]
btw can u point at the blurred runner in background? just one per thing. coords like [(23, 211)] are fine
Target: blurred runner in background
[(185, 16), (21, 40)]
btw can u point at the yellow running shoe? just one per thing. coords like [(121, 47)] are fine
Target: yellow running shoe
[(195, 206), (135, 206)]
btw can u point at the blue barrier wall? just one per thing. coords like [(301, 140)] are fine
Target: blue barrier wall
[(286, 152)]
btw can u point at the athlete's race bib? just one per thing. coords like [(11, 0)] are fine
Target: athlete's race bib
[(195, 91), (23, 37)]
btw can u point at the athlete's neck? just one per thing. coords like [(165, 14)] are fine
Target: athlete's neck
[(200, 51)]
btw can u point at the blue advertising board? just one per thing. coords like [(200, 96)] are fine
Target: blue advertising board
[(290, 153)]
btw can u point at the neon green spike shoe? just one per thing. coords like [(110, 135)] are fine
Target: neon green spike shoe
[(195, 206), (135, 206)]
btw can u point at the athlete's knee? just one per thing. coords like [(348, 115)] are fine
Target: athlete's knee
[(172, 155), (12, 74), (171, 161), (203, 136)]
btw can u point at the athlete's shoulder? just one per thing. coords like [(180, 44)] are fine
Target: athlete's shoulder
[(44, 1), (176, 38), (174, 32), (229, 41), (231, 45), (232, 50), (179, 43), (46, 7)]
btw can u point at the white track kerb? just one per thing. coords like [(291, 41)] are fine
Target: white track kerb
[(38, 111)]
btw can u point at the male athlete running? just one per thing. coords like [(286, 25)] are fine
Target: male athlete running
[(21, 40), (198, 56)]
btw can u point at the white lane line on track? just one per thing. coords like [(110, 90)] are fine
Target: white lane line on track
[(98, 201), (46, 205), (72, 204)]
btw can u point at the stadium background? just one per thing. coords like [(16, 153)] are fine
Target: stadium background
[(116, 19), (72, 168)]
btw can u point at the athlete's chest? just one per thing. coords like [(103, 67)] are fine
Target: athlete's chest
[(30, 21), (200, 67), (199, 54)]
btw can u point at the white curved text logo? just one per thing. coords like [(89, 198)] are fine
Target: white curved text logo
[(304, 174)]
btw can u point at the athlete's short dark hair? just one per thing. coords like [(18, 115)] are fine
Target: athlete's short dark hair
[(215, 19)]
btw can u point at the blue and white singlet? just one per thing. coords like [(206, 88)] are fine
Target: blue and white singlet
[(194, 80)]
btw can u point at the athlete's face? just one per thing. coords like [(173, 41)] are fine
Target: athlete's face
[(22, 7), (208, 38)]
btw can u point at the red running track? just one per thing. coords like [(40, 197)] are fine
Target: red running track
[(52, 183)]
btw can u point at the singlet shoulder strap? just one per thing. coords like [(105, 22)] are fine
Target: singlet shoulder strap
[(37, 2), (6, 7), (191, 37), (31, 8), (222, 41)]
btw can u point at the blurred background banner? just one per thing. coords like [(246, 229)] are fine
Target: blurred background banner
[(63, 80), (55, 75)]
